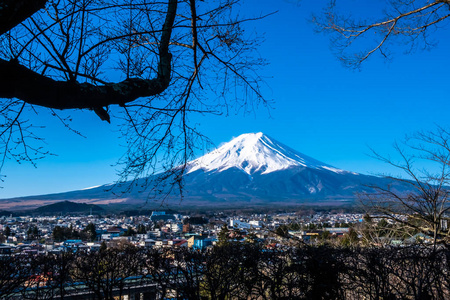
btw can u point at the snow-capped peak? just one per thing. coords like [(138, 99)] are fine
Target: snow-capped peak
[(255, 152)]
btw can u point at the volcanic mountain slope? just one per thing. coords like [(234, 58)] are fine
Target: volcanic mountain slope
[(255, 167), (256, 153), (250, 169)]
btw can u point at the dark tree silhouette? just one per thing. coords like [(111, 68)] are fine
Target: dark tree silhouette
[(7, 231), (422, 206), (91, 231), (105, 272), (148, 65), (14, 272), (233, 271), (406, 22)]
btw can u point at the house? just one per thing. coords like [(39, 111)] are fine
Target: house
[(149, 243), (161, 215), (5, 250), (176, 227), (198, 242), (114, 231), (73, 244), (180, 243), (420, 237)]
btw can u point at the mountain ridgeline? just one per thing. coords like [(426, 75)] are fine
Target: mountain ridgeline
[(251, 169), (68, 207), (255, 168)]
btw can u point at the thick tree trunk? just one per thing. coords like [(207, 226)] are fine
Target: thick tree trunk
[(14, 12), (17, 81)]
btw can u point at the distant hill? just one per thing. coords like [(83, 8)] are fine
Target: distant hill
[(68, 207), (5, 213)]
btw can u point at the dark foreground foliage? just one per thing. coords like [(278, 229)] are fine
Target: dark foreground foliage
[(233, 271)]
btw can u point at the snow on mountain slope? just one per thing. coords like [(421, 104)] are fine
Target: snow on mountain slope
[(256, 152), (252, 169)]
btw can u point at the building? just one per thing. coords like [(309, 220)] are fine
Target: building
[(161, 215), (198, 242)]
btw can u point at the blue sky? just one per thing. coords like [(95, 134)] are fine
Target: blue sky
[(321, 108)]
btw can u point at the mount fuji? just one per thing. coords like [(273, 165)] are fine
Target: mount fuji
[(251, 169), (255, 168), (255, 153)]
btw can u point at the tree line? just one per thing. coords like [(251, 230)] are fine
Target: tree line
[(234, 271)]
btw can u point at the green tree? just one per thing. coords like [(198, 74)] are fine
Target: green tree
[(383, 227), (223, 236), (312, 226), (33, 233), (195, 220), (60, 233), (325, 225), (367, 218), (129, 232), (350, 238), (141, 229), (7, 231), (325, 235), (282, 230), (103, 246), (91, 231), (295, 226)]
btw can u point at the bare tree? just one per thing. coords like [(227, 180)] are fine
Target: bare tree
[(14, 273), (409, 22), (105, 273), (422, 204), (148, 64)]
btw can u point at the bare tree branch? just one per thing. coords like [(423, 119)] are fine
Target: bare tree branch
[(403, 20), (149, 65), (13, 12), (426, 203)]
